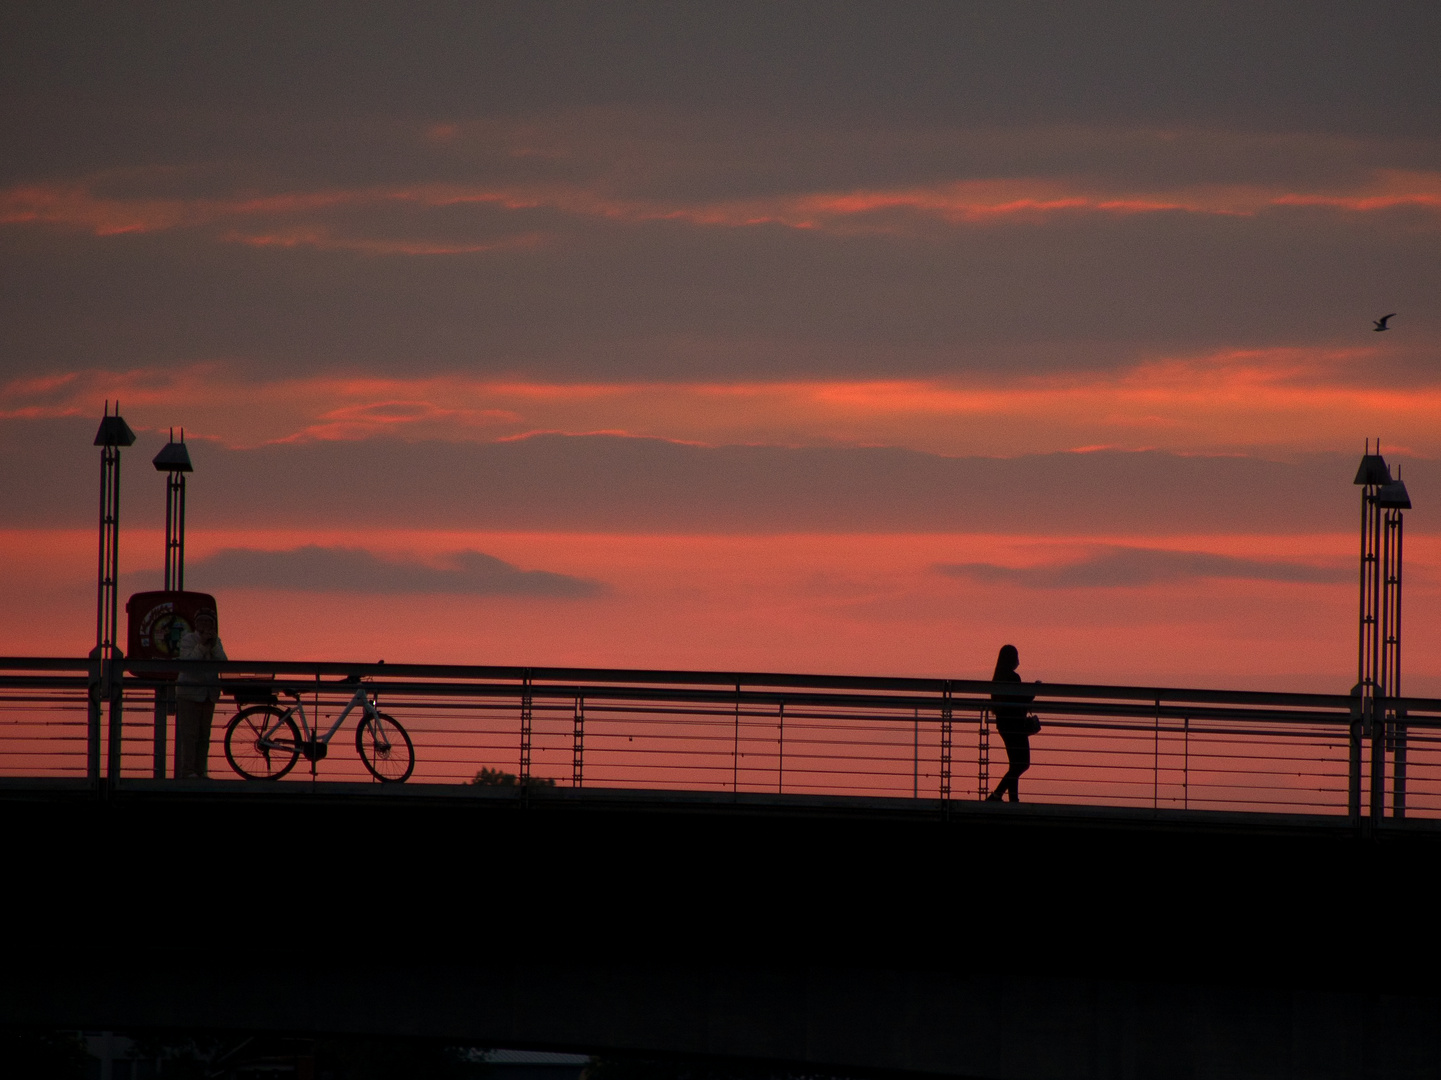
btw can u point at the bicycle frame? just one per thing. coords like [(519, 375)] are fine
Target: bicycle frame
[(309, 736)]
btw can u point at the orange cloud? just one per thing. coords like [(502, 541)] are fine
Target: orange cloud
[(1282, 399), (328, 240), (962, 203)]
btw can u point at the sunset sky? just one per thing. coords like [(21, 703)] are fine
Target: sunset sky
[(831, 337)]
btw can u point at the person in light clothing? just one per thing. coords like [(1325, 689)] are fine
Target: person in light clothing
[(196, 693)]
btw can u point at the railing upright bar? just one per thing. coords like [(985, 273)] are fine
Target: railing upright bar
[(525, 724), (92, 719), (781, 749), (1378, 757), (983, 753), (946, 745), (115, 689), (162, 712), (736, 745), (916, 755), (577, 757), (1355, 735), (1156, 760)]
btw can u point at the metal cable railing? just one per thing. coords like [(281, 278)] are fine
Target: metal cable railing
[(753, 732)]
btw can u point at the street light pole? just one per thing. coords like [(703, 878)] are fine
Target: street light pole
[(1383, 503), (1371, 477), (174, 460), (113, 434), (1392, 501)]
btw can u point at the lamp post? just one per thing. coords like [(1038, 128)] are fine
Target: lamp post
[(1392, 501), (113, 434), (1378, 663), (174, 460)]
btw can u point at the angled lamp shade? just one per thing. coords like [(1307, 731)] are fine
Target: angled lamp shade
[(114, 431), (173, 457), (1393, 496), (1373, 471)]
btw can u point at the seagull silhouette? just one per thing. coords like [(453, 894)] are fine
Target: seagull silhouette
[(1381, 322)]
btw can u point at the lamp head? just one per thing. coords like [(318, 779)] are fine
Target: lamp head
[(1393, 496), (1373, 471), (114, 432), (173, 457)]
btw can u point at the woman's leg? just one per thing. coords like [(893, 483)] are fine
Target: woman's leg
[(1018, 756), (1008, 782)]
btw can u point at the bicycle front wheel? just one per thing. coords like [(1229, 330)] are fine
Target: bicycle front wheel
[(262, 743), (385, 748)]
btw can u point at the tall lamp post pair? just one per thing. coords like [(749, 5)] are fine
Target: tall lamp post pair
[(105, 686), (1384, 501)]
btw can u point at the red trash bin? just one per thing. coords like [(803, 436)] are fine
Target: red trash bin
[(158, 620)]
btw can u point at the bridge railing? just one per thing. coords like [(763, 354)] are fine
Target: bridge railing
[(901, 738)]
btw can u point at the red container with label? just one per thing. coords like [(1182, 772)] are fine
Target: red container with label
[(158, 620)]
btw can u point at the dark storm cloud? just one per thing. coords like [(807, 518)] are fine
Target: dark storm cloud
[(338, 569), (628, 485), (1137, 567)]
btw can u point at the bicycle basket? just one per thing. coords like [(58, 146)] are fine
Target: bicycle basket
[(257, 691)]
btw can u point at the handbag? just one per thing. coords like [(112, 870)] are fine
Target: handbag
[(1033, 724)]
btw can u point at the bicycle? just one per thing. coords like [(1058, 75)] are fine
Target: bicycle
[(262, 742)]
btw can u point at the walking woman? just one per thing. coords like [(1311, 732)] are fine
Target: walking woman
[(1015, 726)]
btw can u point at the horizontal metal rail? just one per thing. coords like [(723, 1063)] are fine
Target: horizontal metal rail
[(433, 673)]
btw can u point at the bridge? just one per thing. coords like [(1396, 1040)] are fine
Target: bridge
[(763, 867)]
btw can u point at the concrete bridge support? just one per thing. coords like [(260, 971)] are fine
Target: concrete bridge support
[(996, 942)]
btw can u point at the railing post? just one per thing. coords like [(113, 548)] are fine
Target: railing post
[(1378, 759), (162, 711), (92, 718), (1186, 768), (1353, 759), (736, 745), (115, 691), (577, 755), (1156, 761), (946, 743), (1353, 772), (525, 721), (916, 755), (983, 753), (781, 751), (1398, 765)]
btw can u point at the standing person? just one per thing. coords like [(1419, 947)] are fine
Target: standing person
[(196, 693), (1015, 726)]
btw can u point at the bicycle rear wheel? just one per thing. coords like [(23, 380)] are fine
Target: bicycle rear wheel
[(385, 748), (262, 743)]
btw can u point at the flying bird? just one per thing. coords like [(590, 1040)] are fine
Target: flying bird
[(1381, 322)]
